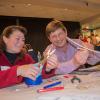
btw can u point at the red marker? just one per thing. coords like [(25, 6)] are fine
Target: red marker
[(68, 76), (50, 89)]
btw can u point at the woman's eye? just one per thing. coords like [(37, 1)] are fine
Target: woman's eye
[(23, 40), (20, 39), (53, 36), (17, 39)]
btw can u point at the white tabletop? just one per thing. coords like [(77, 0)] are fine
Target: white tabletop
[(88, 89)]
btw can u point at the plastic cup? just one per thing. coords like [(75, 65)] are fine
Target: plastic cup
[(38, 81)]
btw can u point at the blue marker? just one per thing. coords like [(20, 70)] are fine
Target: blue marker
[(51, 85)]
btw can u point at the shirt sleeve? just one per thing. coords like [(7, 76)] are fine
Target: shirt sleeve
[(47, 74), (93, 58), (9, 77)]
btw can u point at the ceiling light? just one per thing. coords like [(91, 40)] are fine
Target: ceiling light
[(65, 9), (27, 5)]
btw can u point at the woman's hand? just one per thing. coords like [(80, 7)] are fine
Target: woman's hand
[(28, 71)]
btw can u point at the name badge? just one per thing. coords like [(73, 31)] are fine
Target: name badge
[(4, 68)]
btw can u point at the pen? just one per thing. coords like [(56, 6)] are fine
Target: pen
[(68, 76), (51, 85), (50, 89)]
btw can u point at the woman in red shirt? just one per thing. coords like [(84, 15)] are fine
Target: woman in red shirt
[(14, 62)]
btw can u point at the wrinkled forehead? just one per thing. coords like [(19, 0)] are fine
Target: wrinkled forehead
[(17, 33)]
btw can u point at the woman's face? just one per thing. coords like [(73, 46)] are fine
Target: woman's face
[(58, 38), (15, 42)]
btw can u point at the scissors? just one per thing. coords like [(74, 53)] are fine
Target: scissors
[(42, 62), (50, 52), (75, 78)]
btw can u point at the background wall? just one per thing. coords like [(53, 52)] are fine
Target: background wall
[(36, 29)]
